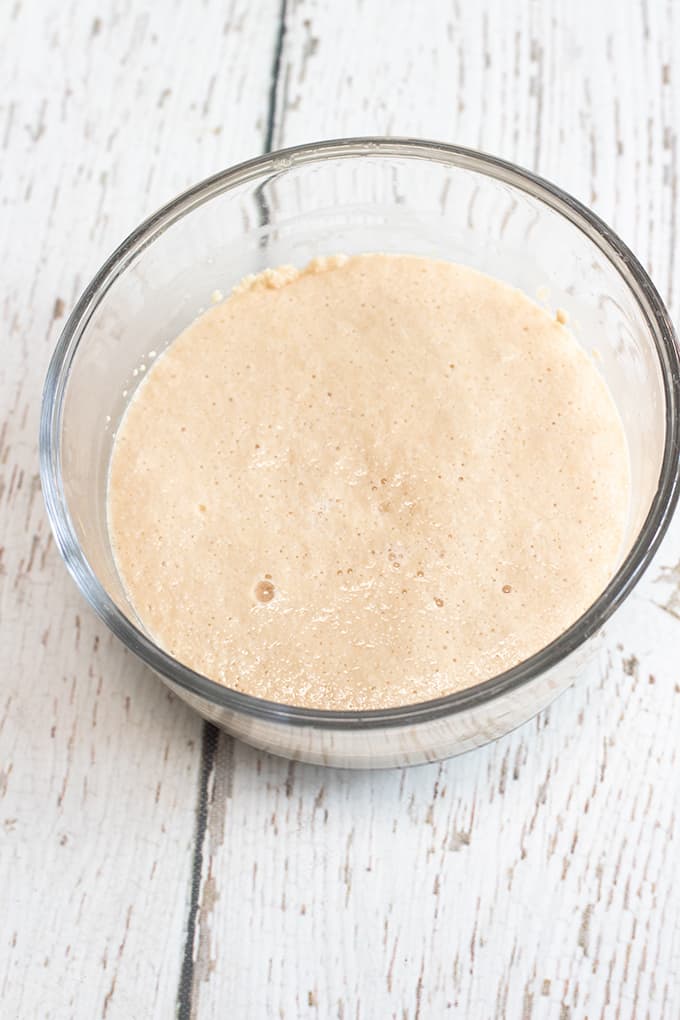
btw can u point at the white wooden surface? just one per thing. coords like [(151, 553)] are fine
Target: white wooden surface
[(531, 879)]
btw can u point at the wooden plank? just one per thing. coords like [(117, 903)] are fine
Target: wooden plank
[(535, 877), (107, 111)]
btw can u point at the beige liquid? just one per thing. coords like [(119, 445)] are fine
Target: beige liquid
[(373, 482)]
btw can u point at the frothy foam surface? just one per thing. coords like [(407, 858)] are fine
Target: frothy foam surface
[(371, 482)]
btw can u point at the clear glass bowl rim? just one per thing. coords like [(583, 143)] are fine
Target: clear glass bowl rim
[(265, 168)]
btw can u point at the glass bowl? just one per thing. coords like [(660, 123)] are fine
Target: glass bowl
[(350, 196)]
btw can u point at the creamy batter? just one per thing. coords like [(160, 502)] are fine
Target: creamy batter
[(371, 482)]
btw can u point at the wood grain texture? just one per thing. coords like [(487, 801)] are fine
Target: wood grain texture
[(533, 878), (107, 111)]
